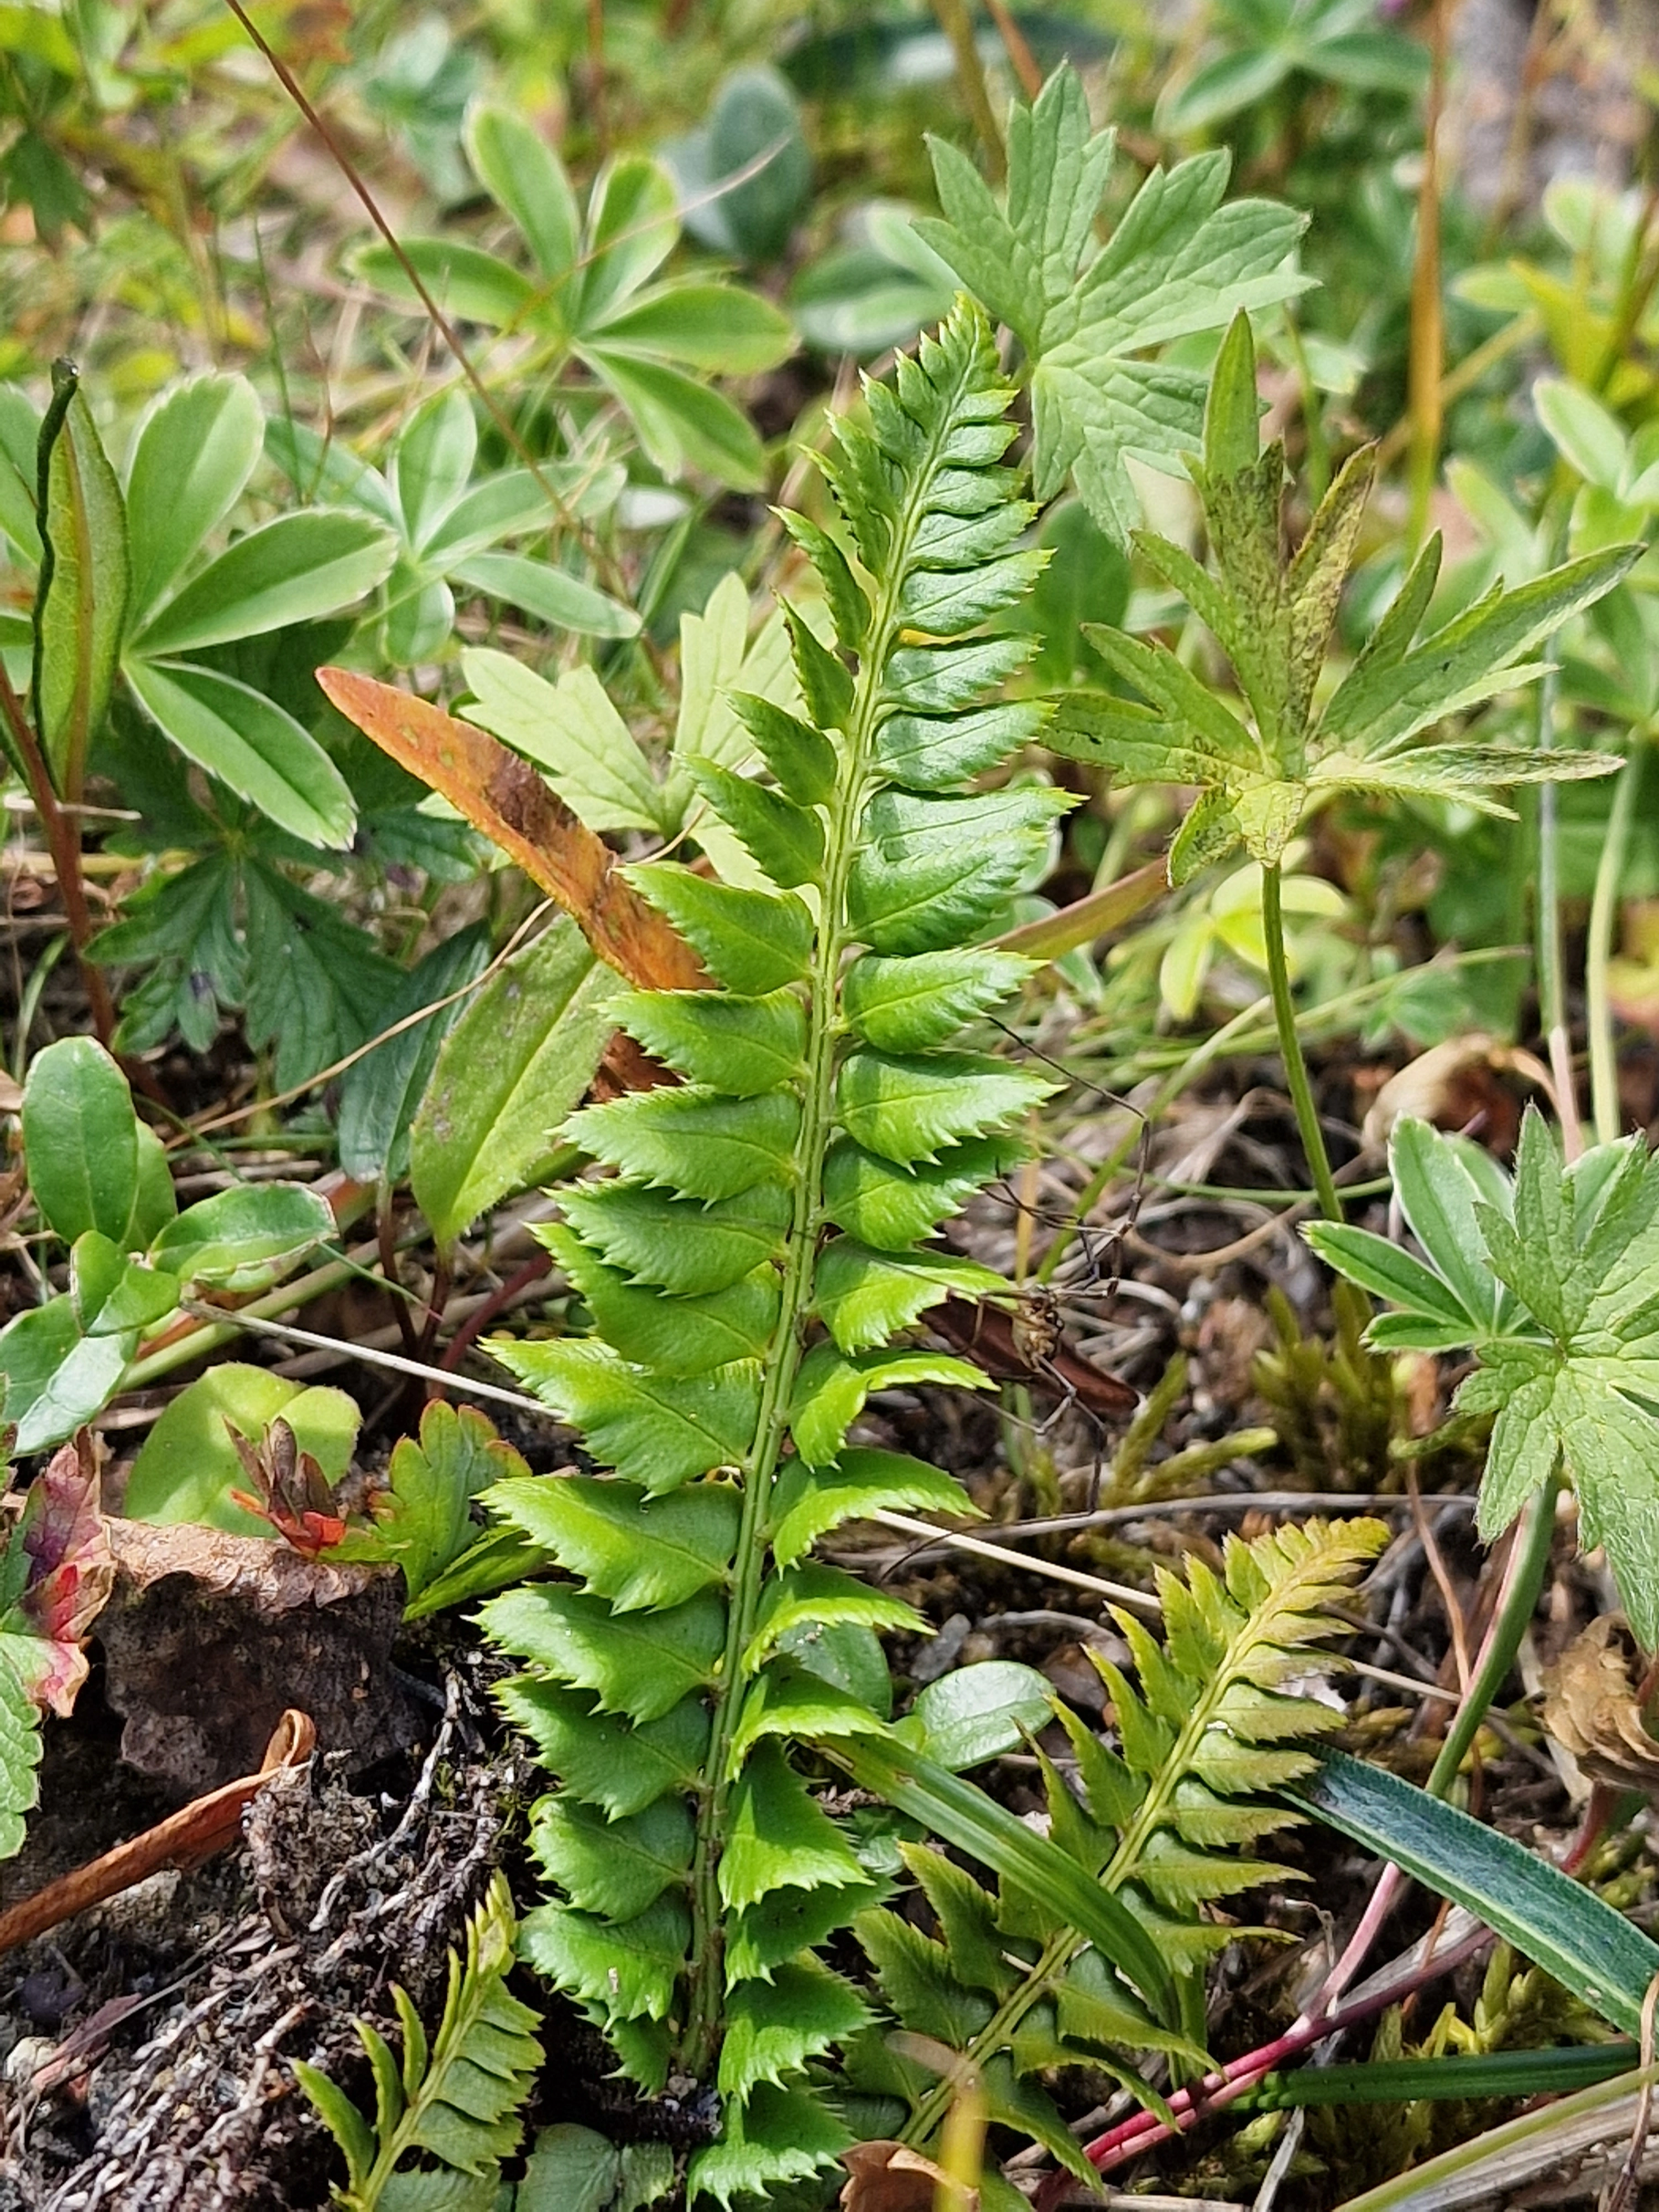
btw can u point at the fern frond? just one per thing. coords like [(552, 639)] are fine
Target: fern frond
[(748, 1260), (1166, 1818), (457, 2099)]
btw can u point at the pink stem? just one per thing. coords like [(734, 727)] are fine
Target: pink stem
[(1142, 2133)]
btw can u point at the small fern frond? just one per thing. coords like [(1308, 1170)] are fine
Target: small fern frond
[(457, 2099), (1166, 1818)]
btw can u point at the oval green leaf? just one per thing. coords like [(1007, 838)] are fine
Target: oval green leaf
[(245, 1238), (251, 743), (295, 569), (80, 1140)]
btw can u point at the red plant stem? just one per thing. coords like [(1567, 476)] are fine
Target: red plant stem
[(65, 841), (1142, 2133), (386, 1238), (437, 1298), (496, 1303)]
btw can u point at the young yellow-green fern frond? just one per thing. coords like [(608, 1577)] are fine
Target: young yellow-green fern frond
[(457, 2099), (1166, 1820)]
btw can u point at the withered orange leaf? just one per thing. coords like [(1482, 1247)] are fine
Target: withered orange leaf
[(503, 796)]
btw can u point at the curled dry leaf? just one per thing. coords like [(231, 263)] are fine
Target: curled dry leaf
[(288, 1489), (184, 1839), (890, 2177), (1592, 1709), (1454, 1086)]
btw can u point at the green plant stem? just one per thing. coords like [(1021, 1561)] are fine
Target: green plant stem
[(1523, 1577), (1290, 1045), (957, 26), (1248, 1031), (1604, 912), (1427, 361), (1551, 958)]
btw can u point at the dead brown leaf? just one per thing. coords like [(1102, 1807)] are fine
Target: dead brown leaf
[(890, 2177), (503, 796), (1455, 1085), (270, 1578), (1591, 1709)]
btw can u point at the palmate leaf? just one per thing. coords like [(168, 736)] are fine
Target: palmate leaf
[(1179, 261), (458, 2098), (1549, 1279), (1274, 618), (592, 298)]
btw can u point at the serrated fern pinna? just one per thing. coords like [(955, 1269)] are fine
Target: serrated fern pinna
[(746, 1267)]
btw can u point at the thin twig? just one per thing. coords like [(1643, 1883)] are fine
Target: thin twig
[(435, 1377)]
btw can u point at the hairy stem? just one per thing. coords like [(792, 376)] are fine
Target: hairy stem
[(1290, 1044), (957, 26)]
